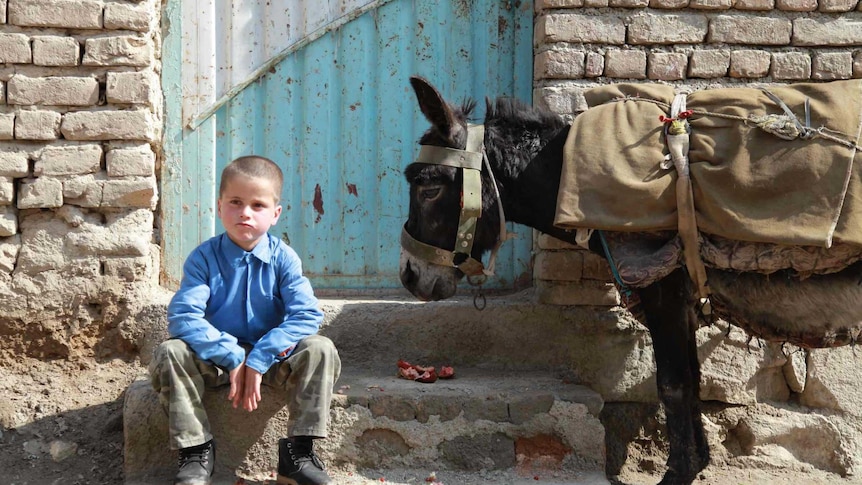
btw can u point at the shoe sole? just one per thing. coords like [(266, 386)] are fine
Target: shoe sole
[(283, 480)]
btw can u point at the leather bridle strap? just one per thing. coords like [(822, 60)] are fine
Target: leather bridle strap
[(470, 160), (452, 157)]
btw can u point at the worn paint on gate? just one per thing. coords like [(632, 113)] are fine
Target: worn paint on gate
[(337, 114)]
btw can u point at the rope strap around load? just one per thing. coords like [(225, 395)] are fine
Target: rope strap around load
[(768, 123), (677, 137)]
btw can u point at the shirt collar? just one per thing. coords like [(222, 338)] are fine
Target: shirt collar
[(236, 254)]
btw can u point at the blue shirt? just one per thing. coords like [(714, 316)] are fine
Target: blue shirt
[(229, 296)]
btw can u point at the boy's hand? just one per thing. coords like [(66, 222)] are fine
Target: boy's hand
[(251, 393), (237, 380)]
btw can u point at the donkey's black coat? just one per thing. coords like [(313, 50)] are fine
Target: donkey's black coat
[(524, 148)]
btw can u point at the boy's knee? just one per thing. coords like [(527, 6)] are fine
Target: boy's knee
[(320, 350), (319, 344), (172, 349)]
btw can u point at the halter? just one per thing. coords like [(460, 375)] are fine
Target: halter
[(470, 160)]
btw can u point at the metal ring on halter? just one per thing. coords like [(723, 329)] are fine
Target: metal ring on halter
[(479, 294), (478, 280)]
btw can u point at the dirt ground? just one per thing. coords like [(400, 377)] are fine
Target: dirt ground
[(61, 424)]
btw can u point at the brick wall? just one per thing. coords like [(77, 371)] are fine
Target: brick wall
[(80, 124), (581, 44)]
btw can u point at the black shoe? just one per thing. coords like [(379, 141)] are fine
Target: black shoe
[(197, 464), (298, 464)]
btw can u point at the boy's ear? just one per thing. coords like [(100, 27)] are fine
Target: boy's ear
[(277, 213)]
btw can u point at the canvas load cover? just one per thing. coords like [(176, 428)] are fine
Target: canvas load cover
[(748, 184)]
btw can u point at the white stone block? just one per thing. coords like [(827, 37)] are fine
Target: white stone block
[(37, 125), (752, 30), (83, 191), (132, 88), (123, 16), (8, 221), (14, 49), (101, 242), (121, 50), (734, 372), (55, 51), (709, 63), (837, 31), (69, 14), (580, 28), (831, 383), (559, 64), (595, 65), (68, 160), (135, 161), (554, 99), (7, 125), (139, 192), (791, 65), (40, 193), (42, 247), (9, 248), (14, 162), (109, 125), (648, 28), (139, 221), (7, 190), (52, 91)]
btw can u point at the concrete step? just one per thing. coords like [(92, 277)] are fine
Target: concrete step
[(512, 332), (513, 424), (430, 477), (603, 349)]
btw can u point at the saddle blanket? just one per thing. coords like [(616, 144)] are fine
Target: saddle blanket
[(749, 184)]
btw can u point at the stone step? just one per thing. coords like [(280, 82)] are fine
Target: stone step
[(605, 349), (524, 424), (510, 332), (431, 477)]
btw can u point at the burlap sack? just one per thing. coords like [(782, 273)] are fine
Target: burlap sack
[(748, 184)]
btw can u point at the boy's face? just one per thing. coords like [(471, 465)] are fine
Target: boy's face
[(247, 209)]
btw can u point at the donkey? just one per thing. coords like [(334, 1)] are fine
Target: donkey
[(519, 164)]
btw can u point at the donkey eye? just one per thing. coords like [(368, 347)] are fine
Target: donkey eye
[(429, 193)]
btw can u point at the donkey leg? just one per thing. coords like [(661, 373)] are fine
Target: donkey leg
[(670, 318)]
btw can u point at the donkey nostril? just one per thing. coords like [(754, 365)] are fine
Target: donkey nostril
[(408, 276)]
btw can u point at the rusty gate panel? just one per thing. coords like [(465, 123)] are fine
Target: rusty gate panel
[(335, 110)]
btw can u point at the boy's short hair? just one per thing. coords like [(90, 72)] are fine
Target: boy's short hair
[(253, 166)]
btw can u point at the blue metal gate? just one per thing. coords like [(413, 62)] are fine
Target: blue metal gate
[(336, 112)]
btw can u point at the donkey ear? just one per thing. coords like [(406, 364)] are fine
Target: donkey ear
[(435, 108)]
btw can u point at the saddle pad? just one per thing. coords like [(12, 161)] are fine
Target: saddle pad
[(748, 184)]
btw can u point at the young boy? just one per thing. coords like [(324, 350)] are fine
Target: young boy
[(245, 315)]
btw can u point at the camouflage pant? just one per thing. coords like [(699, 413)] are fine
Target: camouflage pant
[(308, 376)]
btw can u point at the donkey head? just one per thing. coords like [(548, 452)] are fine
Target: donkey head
[(431, 264)]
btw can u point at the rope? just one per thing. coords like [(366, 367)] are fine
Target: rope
[(806, 132), (504, 236), (624, 289)]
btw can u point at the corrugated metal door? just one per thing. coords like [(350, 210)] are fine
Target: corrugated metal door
[(328, 100)]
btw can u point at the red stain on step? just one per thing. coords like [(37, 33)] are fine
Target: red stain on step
[(540, 453)]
